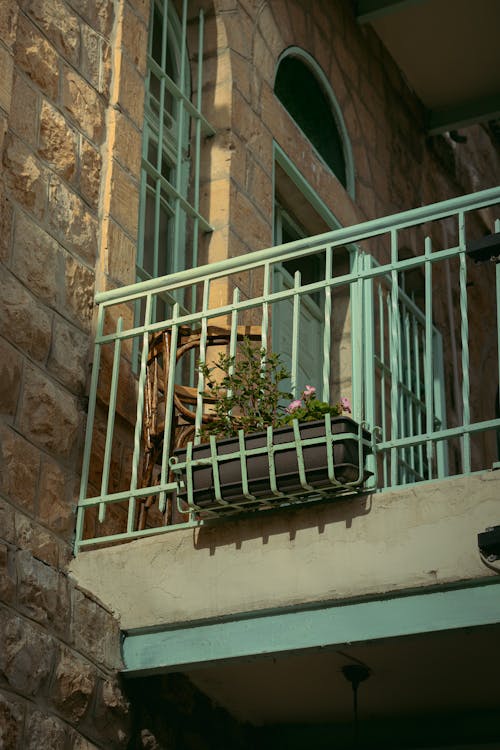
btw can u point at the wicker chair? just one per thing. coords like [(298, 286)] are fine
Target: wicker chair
[(184, 405)]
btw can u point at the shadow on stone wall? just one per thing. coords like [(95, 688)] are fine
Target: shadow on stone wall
[(170, 713)]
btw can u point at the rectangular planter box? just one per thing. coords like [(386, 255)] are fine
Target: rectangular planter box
[(345, 457)]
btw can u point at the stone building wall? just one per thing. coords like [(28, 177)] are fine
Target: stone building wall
[(71, 111), (59, 648)]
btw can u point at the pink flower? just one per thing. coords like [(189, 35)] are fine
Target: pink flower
[(345, 404), (294, 405), (309, 391)]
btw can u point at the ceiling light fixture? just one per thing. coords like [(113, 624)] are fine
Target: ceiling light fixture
[(355, 674)]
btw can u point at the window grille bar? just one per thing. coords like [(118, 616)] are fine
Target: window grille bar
[(179, 95), (180, 166), (197, 138), (174, 193)]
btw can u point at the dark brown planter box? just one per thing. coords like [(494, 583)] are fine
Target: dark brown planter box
[(345, 457)]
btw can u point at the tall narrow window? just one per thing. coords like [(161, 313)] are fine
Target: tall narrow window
[(169, 220), (299, 213)]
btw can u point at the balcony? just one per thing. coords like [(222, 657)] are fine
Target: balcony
[(401, 315)]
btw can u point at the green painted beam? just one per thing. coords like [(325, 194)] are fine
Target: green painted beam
[(256, 635), (462, 115), (369, 10)]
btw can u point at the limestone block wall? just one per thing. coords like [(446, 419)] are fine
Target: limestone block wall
[(70, 153)]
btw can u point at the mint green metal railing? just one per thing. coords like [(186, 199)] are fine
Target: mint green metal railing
[(420, 326)]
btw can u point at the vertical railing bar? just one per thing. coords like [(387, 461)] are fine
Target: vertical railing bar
[(203, 358), (215, 469), (368, 325), (383, 417), (441, 453), (300, 456), (356, 334), (169, 406), (297, 281), (244, 473), (265, 304), (233, 337), (496, 464), (409, 410), (359, 406), (464, 334), (401, 397), (497, 276), (111, 419), (139, 413), (89, 431), (270, 462), (327, 324), (418, 390), (189, 479), (394, 350), (329, 449), (428, 364)]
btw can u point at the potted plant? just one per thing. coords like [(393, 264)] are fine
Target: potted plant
[(261, 449)]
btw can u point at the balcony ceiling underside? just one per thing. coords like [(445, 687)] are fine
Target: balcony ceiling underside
[(448, 51), (435, 674)]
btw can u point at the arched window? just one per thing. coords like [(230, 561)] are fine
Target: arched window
[(303, 89), (169, 218)]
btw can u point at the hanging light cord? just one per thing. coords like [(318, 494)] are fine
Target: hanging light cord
[(355, 673)]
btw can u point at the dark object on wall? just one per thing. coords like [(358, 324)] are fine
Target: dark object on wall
[(486, 248), (489, 543)]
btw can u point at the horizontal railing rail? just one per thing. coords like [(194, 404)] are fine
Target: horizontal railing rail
[(404, 324)]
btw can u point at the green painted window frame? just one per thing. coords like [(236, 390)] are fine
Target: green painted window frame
[(170, 168)]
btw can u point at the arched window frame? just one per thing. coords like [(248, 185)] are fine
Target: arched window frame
[(338, 119)]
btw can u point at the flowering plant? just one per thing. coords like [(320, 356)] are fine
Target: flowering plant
[(248, 395), (309, 407), (247, 391)]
